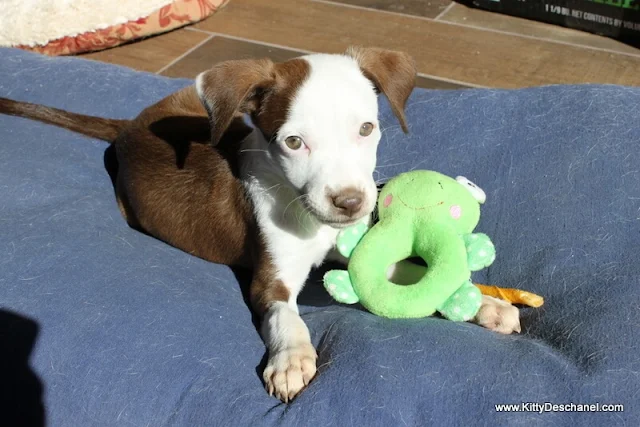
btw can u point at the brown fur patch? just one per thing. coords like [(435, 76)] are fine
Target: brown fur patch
[(258, 87), (180, 189), (274, 108), (392, 72), (231, 87), (264, 290)]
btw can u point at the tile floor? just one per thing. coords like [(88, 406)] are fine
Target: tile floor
[(454, 46)]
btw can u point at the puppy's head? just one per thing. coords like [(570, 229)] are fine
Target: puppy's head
[(320, 115)]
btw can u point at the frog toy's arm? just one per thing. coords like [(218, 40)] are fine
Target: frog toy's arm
[(349, 237), (480, 251), (338, 282)]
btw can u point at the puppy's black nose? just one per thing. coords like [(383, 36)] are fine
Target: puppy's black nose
[(348, 202)]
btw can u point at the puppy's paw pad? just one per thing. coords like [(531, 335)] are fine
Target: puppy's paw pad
[(289, 370)]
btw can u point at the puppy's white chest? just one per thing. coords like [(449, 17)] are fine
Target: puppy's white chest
[(294, 255), (326, 240), (302, 250)]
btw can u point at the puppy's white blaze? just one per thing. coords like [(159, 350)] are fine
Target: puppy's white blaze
[(327, 113)]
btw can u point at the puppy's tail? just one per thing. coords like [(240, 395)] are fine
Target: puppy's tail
[(95, 127)]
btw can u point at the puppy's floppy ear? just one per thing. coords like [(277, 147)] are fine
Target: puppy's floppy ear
[(392, 72), (233, 87)]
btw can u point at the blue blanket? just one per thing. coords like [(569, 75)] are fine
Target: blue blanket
[(102, 325)]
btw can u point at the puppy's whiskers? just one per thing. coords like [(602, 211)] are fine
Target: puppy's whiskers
[(307, 214), (302, 217), (266, 190), (300, 197)]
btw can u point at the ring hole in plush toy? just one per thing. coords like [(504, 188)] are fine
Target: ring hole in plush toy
[(407, 272)]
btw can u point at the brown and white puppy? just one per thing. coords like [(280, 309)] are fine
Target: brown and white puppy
[(271, 196)]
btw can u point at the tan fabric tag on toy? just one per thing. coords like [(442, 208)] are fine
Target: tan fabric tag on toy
[(514, 296)]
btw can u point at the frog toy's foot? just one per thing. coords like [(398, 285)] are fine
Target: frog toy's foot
[(338, 284), (463, 304)]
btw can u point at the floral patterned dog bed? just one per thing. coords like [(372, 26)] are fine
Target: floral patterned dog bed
[(172, 15)]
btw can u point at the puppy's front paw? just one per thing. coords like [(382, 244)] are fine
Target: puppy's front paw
[(289, 371), (498, 315)]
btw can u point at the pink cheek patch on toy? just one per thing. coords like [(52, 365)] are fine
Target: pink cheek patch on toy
[(388, 200), (455, 211)]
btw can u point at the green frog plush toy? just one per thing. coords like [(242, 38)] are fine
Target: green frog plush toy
[(421, 214)]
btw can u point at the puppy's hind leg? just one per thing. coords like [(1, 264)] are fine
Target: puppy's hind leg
[(494, 314), (498, 315), (124, 205)]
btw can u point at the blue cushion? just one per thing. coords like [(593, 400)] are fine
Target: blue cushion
[(132, 331)]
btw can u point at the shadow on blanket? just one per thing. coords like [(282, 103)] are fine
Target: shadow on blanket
[(21, 390)]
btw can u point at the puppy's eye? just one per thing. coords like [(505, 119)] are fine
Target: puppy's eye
[(293, 142), (366, 129)]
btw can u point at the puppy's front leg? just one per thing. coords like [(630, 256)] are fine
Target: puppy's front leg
[(292, 357)]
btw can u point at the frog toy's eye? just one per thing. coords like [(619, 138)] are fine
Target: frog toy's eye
[(476, 191)]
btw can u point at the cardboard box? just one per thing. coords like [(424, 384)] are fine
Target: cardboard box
[(619, 19)]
